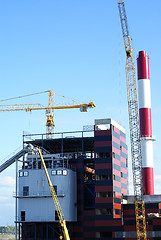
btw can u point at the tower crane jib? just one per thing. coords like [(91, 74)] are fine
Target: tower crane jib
[(49, 108)]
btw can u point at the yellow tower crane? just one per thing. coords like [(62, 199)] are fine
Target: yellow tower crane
[(134, 127), (49, 108)]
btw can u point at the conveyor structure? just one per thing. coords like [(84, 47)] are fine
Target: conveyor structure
[(17, 156)]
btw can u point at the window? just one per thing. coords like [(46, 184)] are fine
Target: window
[(103, 194), (59, 172), (103, 177), (25, 190), (103, 155), (114, 177), (105, 234), (65, 172), (104, 211), (117, 211), (20, 174), (120, 148), (53, 172), (121, 174), (22, 215), (39, 165), (126, 163), (48, 163), (26, 174)]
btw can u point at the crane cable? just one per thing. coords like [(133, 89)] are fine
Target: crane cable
[(28, 95)]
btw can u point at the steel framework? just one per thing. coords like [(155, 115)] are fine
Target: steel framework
[(134, 127), (49, 108)]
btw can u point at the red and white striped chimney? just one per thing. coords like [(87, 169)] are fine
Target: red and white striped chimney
[(145, 122)]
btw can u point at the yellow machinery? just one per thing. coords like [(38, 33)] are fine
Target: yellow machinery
[(49, 108), (134, 127), (56, 201), (50, 130)]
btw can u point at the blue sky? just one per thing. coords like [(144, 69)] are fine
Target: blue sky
[(74, 48)]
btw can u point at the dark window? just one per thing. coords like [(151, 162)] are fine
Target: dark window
[(48, 164), (22, 215), (105, 234), (104, 211), (25, 190), (39, 165), (126, 163), (103, 194), (103, 177), (89, 196), (117, 211), (117, 200), (103, 155)]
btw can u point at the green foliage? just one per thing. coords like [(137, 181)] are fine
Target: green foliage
[(8, 229)]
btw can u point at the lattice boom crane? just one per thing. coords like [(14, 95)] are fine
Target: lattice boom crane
[(49, 108), (134, 127), (56, 201)]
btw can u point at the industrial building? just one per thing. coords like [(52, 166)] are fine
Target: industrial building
[(89, 172), (90, 175)]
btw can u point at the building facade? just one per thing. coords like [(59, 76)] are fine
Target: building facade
[(90, 176), (89, 172)]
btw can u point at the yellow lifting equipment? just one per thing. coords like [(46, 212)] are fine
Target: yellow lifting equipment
[(49, 108), (134, 127), (56, 201)]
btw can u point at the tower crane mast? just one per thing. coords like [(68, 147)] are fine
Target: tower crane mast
[(134, 126)]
